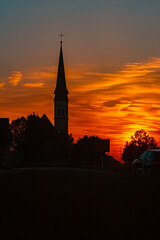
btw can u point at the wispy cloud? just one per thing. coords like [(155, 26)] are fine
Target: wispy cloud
[(34, 85), (15, 77), (2, 85), (50, 73), (110, 105), (115, 105)]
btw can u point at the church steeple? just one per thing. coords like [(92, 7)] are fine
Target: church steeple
[(61, 97), (61, 92)]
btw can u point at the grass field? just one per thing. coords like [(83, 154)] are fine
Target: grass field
[(78, 204)]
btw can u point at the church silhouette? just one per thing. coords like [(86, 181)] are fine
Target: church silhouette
[(60, 127), (45, 143), (61, 98)]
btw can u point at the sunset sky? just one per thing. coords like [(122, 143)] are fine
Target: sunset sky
[(112, 61)]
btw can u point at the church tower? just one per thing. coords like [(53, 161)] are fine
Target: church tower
[(61, 98)]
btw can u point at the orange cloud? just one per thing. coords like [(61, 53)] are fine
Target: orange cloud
[(15, 77), (110, 105), (115, 105), (2, 85), (38, 75), (34, 85)]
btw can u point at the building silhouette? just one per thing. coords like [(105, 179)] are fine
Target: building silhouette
[(61, 98), (4, 142)]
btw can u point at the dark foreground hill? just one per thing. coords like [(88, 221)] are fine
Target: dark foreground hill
[(78, 204)]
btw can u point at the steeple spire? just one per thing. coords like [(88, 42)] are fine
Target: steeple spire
[(61, 97), (61, 35), (61, 91)]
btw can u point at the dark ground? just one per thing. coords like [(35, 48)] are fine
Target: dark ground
[(78, 204)]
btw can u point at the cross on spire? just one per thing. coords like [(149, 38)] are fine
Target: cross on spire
[(61, 36)]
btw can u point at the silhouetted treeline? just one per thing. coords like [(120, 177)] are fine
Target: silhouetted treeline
[(140, 142), (90, 152), (86, 153), (34, 142)]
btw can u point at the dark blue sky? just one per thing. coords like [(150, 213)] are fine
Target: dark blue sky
[(101, 32)]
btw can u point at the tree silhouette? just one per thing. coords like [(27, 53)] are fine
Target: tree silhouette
[(34, 140), (140, 142), (17, 135), (88, 151), (28, 138)]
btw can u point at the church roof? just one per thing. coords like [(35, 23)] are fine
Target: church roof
[(47, 122), (61, 91)]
